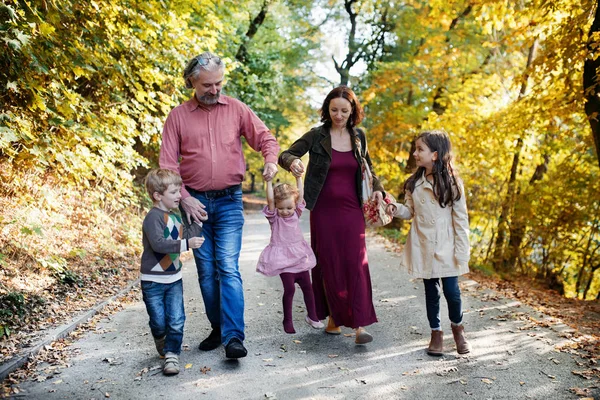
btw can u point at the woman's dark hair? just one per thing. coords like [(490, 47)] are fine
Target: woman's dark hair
[(445, 186), (344, 92)]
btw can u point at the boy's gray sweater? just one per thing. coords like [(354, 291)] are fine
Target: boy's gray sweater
[(164, 238)]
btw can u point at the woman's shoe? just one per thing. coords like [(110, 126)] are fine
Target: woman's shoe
[(332, 328), (362, 336), (314, 324)]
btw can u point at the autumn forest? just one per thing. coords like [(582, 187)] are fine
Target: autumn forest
[(86, 87)]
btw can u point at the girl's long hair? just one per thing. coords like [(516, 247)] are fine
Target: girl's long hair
[(445, 186)]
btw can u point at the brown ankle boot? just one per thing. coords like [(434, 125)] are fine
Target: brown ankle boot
[(436, 345), (462, 346)]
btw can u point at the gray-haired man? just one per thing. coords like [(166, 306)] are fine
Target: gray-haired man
[(202, 142)]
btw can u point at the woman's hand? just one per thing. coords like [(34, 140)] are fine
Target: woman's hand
[(297, 168), (377, 196)]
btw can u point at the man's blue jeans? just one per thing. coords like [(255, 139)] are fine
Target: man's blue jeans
[(432, 300), (217, 264), (164, 303)]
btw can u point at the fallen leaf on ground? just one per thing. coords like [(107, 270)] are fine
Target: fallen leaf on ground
[(297, 341), (188, 366), (332, 355), (205, 370)]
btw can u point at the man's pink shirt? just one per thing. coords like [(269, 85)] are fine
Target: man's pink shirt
[(204, 144)]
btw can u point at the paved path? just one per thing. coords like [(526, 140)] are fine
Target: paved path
[(510, 359)]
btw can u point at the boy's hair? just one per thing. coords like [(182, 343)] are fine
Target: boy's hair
[(445, 185), (283, 191), (158, 180)]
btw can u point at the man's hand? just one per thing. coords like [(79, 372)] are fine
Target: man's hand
[(195, 242), (297, 168), (270, 171), (194, 209)]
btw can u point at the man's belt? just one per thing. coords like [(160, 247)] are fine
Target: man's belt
[(214, 194)]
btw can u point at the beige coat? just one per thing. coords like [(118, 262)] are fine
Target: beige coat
[(438, 242)]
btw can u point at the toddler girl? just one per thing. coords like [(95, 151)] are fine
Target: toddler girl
[(438, 242), (288, 255)]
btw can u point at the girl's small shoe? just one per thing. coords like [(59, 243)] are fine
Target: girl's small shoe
[(314, 324), (362, 336), (332, 329), (288, 326)]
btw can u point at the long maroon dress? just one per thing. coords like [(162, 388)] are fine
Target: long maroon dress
[(341, 279)]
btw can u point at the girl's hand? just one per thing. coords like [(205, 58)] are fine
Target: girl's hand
[(391, 210), (195, 242), (297, 168)]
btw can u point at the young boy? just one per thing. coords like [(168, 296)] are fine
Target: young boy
[(164, 238)]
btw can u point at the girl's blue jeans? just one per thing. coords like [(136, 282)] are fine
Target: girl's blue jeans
[(432, 300), (164, 303), (217, 264)]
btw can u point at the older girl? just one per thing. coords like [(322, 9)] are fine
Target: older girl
[(437, 247)]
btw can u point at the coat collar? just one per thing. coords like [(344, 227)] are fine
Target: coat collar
[(325, 141), (424, 182)]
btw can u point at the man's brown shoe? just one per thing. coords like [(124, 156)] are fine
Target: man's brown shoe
[(462, 346), (436, 345)]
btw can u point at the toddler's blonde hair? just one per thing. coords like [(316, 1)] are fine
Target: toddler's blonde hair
[(284, 191)]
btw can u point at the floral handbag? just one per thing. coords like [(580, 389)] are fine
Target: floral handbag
[(375, 214)]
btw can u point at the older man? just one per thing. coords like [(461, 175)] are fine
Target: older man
[(202, 142)]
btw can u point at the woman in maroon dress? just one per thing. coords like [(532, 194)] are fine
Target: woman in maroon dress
[(341, 279)]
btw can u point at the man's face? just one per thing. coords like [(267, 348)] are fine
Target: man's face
[(208, 85)]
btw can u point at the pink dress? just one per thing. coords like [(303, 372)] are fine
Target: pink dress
[(287, 251)]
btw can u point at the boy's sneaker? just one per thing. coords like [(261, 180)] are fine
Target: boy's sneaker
[(171, 365), (160, 345)]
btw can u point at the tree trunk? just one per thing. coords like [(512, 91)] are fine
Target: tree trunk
[(370, 51), (252, 183), (591, 89), (242, 53), (590, 281), (499, 263), (518, 225), (502, 261)]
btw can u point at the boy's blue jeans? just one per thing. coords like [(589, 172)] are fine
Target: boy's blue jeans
[(217, 264), (432, 300), (164, 303)]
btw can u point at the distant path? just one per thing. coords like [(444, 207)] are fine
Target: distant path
[(510, 359)]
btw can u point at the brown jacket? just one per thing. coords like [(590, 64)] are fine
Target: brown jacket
[(317, 143)]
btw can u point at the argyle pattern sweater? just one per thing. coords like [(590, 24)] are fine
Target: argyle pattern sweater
[(164, 238)]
